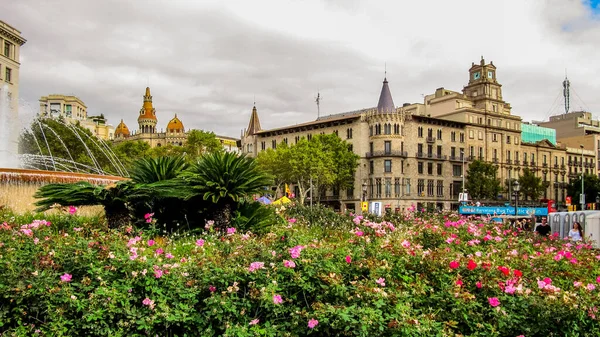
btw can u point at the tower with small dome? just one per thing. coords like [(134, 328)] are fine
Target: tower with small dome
[(174, 134)]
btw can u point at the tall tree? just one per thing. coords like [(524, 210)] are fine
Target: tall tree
[(277, 164), (591, 185), (310, 165), (199, 142), (345, 161), (531, 186), (482, 182)]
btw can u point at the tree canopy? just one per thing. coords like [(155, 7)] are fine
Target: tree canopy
[(530, 185), (482, 182), (591, 185), (324, 159)]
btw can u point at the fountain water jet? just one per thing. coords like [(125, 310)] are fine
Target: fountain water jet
[(18, 183)]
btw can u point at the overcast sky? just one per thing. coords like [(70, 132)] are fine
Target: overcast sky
[(208, 60)]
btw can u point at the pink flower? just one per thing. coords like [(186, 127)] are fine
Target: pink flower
[(148, 302), (231, 231), (72, 209), (598, 279), (255, 266), (381, 281), (27, 232), (590, 287), (150, 243), (148, 217), (471, 265), (254, 321), (289, 264), (478, 284), (454, 264), (169, 256), (510, 289), (159, 251), (295, 251), (405, 244), (77, 229), (292, 220), (361, 233), (277, 299), (212, 289), (158, 273), (541, 284), (312, 323), (66, 277), (494, 302), (348, 259), (459, 283), (577, 284), (199, 242)]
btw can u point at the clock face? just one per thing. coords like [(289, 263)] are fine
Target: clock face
[(490, 74), (476, 76)]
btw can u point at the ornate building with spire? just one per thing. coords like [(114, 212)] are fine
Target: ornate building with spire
[(174, 134), (417, 154)]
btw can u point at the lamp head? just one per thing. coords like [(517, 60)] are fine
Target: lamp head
[(516, 186)]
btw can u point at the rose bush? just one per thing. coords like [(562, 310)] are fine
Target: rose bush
[(418, 275)]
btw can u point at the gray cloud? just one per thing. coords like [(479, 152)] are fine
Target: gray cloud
[(207, 63)]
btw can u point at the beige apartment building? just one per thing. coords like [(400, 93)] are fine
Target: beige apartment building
[(173, 134), (10, 45), (575, 129), (74, 111), (416, 154)]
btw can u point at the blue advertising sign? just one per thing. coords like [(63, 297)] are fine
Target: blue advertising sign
[(502, 210)]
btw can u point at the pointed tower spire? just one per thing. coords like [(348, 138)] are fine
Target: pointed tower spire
[(386, 103), (254, 125)]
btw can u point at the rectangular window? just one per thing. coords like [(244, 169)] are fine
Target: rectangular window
[(507, 139), (7, 49), (387, 147), (371, 148), (439, 151), (420, 167), (397, 187), (453, 152), (421, 187), (462, 137), (378, 187), (439, 169), (525, 157), (407, 186), (471, 134), (453, 136), (495, 152), (494, 137), (388, 187), (7, 74), (440, 188), (274, 144), (429, 150), (430, 188), (480, 153), (420, 149), (430, 168), (371, 167), (349, 133), (456, 170), (387, 166), (263, 145)]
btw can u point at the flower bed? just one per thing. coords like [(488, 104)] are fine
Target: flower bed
[(422, 275)]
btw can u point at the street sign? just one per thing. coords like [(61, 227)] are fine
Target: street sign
[(568, 201)]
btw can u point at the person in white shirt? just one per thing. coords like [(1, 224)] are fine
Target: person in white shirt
[(576, 234)]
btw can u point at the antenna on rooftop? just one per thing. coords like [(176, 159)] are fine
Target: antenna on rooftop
[(567, 92), (318, 101)]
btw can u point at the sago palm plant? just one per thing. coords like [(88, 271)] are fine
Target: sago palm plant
[(225, 179)]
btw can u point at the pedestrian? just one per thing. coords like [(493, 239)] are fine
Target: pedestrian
[(576, 234), (543, 229)]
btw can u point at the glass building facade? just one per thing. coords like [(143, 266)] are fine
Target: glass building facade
[(532, 133)]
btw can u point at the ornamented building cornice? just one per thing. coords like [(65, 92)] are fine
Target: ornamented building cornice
[(12, 36)]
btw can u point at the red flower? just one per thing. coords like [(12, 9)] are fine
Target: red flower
[(454, 264), (472, 265), (504, 270), (517, 273)]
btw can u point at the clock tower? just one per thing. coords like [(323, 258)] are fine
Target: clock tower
[(484, 90)]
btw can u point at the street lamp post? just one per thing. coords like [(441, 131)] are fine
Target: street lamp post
[(582, 196), (462, 157), (364, 192), (516, 189)]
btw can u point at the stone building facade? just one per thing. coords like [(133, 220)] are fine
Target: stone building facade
[(173, 134), (73, 110), (416, 154)]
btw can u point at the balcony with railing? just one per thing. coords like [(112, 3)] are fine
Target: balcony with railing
[(392, 153), (495, 160), (430, 139), (508, 161), (458, 158)]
